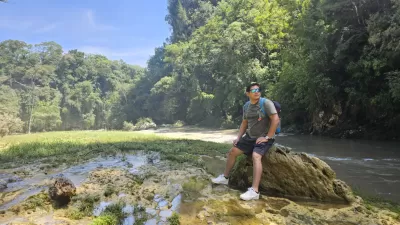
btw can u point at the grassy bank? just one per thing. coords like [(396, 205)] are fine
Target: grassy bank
[(75, 146)]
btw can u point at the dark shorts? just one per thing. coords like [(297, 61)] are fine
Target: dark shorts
[(248, 145)]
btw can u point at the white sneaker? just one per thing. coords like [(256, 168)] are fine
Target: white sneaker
[(250, 194), (220, 180)]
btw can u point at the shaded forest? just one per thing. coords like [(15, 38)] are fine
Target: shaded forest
[(334, 66)]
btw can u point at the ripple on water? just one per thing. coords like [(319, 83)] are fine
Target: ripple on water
[(339, 159)]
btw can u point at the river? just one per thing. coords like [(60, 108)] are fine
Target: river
[(372, 167)]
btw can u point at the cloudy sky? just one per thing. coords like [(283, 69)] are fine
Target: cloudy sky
[(120, 29)]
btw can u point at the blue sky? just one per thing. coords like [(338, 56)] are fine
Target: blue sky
[(121, 29)]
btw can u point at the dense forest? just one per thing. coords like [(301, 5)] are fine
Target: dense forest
[(334, 66)]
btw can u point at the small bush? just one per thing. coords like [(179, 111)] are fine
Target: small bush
[(105, 220), (10, 124), (179, 123), (127, 126), (145, 123)]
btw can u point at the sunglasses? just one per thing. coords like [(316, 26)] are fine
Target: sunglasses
[(255, 90)]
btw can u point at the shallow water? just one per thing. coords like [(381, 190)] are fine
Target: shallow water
[(373, 167), (77, 174)]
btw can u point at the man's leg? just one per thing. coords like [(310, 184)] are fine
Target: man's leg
[(257, 170), (232, 155), (258, 152)]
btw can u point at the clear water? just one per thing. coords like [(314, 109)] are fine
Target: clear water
[(373, 167)]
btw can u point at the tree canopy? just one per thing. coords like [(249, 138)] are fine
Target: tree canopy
[(333, 65)]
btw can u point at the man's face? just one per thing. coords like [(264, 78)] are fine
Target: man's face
[(254, 92)]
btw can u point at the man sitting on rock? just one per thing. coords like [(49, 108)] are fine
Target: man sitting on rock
[(260, 126)]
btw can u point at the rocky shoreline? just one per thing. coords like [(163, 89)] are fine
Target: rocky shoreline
[(165, 192)]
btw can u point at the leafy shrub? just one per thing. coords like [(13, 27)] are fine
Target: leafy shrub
[(10, 124), (127, 126), (144, 123)]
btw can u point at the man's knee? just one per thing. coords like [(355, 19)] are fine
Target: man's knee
[(256, 156), (234, 152)]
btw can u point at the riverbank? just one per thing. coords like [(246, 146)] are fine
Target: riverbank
[(147, 172)]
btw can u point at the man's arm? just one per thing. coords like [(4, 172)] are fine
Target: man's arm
[(243, 128), (274, 118)]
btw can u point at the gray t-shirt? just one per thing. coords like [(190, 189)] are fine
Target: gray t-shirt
[(256, 128)]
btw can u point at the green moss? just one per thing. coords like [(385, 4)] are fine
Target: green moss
[(174, 219), (194, 184), (105, 220), (41, 200), (371, 201), (192, 188), (109, 191), (140, 221), (112, 215), (115, 210), (82, 205)]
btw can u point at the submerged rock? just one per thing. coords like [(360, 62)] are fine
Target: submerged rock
[(61, 190), (3, 185), (290, 174)]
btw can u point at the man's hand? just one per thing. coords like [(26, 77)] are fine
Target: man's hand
[(235, 141), (261, 140)]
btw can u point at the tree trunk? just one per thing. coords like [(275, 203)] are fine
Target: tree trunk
[(31, 107), (30, 120)]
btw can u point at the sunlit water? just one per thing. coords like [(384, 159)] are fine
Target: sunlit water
[(373, 167)]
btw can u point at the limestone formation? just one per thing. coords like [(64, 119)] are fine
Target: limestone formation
[(290, 174), (61, 190), (3, 185)]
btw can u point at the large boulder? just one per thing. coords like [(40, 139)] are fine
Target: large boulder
[(290, 174), (61, 190)]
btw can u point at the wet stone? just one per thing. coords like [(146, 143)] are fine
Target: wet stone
[(151, 222), (166, 213), (129, 220)]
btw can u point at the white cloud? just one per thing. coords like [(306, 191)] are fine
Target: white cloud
[(15, 24), (91, 22), (24, 24), (132, 56), (47, 28)]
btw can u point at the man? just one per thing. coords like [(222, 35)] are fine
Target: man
[(260, 132)]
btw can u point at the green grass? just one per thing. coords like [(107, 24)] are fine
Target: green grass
[(112, 215), (174, 219), (75, 146), (82, 205), (376, 201), (105, 220)]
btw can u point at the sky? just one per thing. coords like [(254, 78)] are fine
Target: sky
[(122, 29)]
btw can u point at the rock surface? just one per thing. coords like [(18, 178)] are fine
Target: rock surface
[(3, 185), (61, 190), (290, 174)]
